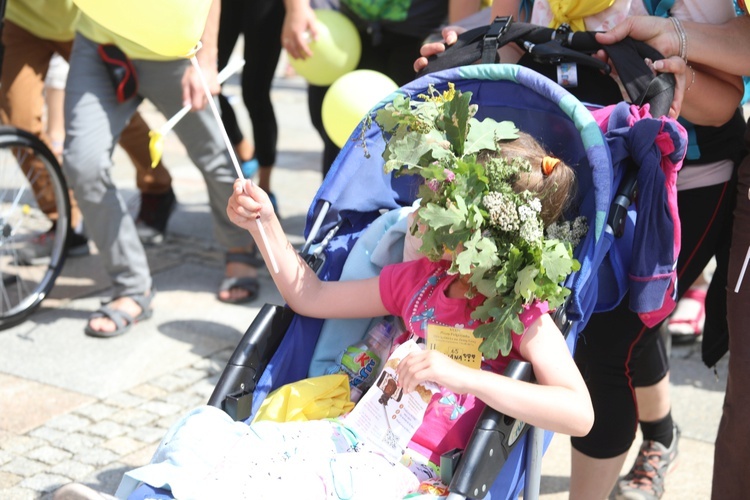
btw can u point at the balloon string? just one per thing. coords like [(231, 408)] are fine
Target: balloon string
[(232, 155)]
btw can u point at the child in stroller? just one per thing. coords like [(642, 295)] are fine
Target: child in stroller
[(498, 224)]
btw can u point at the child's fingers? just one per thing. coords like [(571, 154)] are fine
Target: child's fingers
[(413, 370)]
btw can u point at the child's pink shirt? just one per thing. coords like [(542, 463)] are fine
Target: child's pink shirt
[(416, 292)]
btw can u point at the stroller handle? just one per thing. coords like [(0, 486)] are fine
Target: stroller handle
[(555, 46)]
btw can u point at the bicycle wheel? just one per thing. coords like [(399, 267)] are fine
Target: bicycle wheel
[(34, 212)]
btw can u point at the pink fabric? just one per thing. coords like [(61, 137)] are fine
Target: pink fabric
[(416, 291), (666, 144)]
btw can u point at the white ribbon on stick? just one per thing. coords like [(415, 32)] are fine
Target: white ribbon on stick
[(232, 155)]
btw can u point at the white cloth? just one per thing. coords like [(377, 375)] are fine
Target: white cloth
[(206, 455)]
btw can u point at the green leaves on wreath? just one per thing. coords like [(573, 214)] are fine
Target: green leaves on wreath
[(456, 121), (485, 135), (497, 333)]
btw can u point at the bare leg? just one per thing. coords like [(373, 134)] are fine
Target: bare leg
[(653, 401), (593, 478)]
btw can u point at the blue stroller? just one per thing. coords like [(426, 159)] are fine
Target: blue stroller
[(281, 347)]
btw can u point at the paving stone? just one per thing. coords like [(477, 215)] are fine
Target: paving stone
[(122, 445), (140, 457), (210, 366), (160, 408), (19, 493), (73, 470), (147, 434), (133, 417), (44, 482), (147, 391), (97, 412), (96, 457), (107, 429), (34, 403), (204, 388), (48, 434), (69, 422), (170, 383), (9, 480), (125, 400), (78, 442), (5, 457), (21, 444), (190, 374), (185, 400), (49, 455), (166, 422), (24, 467)]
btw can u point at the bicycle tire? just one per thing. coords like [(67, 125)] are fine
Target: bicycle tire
[(26, 164)]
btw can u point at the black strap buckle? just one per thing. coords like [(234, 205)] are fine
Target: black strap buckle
[(491, 40), (563, 34)]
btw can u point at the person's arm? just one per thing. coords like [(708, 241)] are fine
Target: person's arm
[(460, 9), (507, 8), (726, 92), (298, 29), (559, 402), (207, 56), (716, 58), (300, 287), (722, 46)]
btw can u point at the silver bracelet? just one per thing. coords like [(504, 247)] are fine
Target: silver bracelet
[(692, 81), (682, 36)]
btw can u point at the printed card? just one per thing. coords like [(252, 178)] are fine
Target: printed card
[(386, 417), (459, 344)]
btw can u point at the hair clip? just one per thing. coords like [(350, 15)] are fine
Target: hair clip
[(548, 164)]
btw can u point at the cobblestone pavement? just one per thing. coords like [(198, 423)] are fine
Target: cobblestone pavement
[(103, 439), (79, 410)]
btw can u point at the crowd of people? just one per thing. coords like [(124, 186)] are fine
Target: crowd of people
[(624, 363)]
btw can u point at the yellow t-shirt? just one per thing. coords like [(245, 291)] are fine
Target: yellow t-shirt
[(47, 19), (101, 35)]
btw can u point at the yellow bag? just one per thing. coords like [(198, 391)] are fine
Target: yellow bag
[(171, 28), (309, 399)]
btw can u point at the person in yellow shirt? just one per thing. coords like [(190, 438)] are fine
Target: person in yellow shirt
[(33, 31)]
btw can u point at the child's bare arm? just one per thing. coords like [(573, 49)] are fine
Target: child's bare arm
[(299, 286), (558, 402)]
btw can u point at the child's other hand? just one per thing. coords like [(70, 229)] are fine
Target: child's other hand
[(248, 203), (433, 366)]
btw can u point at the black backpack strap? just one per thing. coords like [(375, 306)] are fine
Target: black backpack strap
[(479, 44), (551, 46), (638, 79)]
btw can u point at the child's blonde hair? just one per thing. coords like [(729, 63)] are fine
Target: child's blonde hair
[(554, 190)]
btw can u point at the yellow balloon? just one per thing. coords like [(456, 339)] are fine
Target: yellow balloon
[(171, 28), (349, 99), (336, 51)]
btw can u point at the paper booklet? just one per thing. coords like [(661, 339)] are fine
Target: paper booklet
[(386, 417)]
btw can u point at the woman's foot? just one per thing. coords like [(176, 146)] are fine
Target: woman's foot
[(240, 283)]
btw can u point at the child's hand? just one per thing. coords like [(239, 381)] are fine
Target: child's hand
[(433, 366), (248, 203)]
